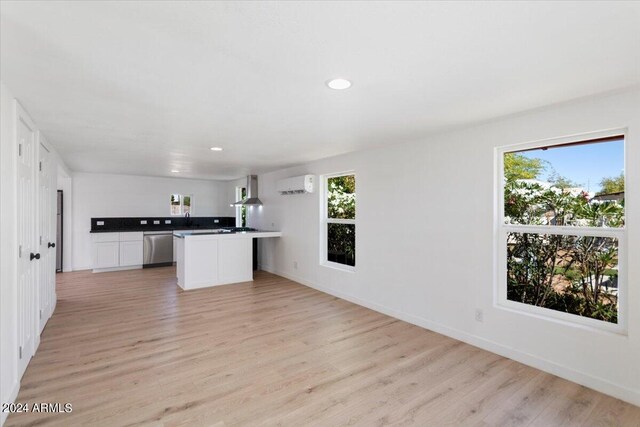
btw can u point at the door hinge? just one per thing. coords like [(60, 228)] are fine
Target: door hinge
[(20, 251), (20, 352), (40, 240), (40, 166), (19, 149), (40, 314)]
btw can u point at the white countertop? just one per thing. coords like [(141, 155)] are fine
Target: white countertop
[(205, 235)]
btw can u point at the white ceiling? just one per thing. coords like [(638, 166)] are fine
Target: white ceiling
[(143, 87)]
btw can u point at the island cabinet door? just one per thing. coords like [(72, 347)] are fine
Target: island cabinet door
[(200, 263), (175, 249), (235, 260)]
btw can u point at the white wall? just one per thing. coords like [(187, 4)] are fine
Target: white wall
[(105, 195), (425, 241), (8, 260)]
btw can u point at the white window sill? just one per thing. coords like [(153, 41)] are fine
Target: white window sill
[(566, 319), (338, 266)]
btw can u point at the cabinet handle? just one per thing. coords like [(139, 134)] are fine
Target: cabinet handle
[(34, 256), (51, 245)]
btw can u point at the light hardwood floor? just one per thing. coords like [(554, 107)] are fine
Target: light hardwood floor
[(131, 348)]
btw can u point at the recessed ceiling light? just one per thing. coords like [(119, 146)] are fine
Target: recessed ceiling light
[(339, 84), (175, 171), (215, 148)]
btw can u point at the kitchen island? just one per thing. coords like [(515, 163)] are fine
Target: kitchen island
[(217, 257)]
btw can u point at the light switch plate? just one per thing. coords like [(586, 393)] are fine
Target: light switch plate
[(156, 222), (99, 222), (215, 221), (167, 221), (143, 222)]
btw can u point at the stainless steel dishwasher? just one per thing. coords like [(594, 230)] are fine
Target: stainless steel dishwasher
[(158, 249)]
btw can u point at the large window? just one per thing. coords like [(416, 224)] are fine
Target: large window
[(561, 230), (339, 221), (181, 204)]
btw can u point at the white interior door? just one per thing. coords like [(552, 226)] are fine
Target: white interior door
[(27, 244), (46, 240)]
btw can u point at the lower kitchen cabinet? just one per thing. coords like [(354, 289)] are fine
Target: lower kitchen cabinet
[(106, 254), (115, 250), (130, 253)]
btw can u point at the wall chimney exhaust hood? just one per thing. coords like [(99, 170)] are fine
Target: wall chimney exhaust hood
[(252, 193)]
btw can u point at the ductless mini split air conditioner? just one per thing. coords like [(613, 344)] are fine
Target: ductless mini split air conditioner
[(296, 185)]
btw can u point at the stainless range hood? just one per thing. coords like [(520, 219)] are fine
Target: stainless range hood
[(252, 193)]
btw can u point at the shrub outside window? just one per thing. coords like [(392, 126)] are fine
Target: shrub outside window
[(339, 221), (561, 242)]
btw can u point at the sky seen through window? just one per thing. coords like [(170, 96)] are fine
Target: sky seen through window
[(584, 164)]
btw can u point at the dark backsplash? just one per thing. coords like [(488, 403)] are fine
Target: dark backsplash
[(134, 223)]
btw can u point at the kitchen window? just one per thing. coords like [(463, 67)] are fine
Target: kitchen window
[(338, 248), (561, 230), (241, 211), (181, 204)]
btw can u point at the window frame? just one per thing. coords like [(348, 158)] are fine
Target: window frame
[(181, 198), (501, 231), (239, 190), (325, 221)]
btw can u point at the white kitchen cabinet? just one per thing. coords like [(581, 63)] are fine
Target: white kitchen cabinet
[(235, 260), (175, 248), (216, 259), (116, 250), (130, 253), (106, 254)]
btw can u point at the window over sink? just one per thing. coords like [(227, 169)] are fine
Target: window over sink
[(181, 204)]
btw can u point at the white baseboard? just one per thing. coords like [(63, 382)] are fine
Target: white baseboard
[(587, 380), (106, 270)]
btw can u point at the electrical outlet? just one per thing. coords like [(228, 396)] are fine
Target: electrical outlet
[(295, 265), (479, 315)]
